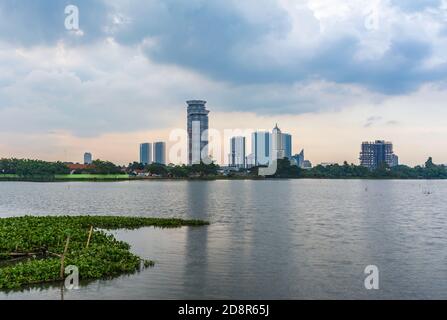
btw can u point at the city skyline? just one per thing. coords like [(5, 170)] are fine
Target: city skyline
[(332, 78), (266, 146)]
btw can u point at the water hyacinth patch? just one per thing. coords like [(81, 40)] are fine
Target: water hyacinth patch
[(31, 247)]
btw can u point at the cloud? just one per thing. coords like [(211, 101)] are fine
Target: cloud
[(379, 121), (372, 121), (282, 42), (87, 91), (416, 5), (392, 123), (109, 87), (256, 42)]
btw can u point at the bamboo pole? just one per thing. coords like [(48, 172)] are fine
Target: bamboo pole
[(63, 257), (21, 254), (89, 236)]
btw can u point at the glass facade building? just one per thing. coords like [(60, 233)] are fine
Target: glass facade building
[(261, 147), (160, 152), (266, 145), (146, 153), (287, 145)]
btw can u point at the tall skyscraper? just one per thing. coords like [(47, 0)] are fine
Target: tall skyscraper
[(160, 152), (88, 158), (287, 145), (237, 152), (146, 153), (277, 144), (197, 131), (373, 154), (260, 147)]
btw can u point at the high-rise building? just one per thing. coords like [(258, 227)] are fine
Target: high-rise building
[(287, 145), (146, 153), (277, 144), (260, 147), (88, 158), (237, 152), (160, 152), (374, 154), (268, 146), (298, 159), (197, 131)]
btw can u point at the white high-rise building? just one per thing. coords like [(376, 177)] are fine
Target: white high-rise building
[(277, 144)]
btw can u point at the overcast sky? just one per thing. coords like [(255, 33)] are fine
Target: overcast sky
[(332, 73)]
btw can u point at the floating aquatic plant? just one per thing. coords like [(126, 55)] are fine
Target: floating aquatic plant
[(31, 247)]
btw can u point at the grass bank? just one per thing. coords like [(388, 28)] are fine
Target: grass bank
[(31, 248), (8, 177), (90, 177)]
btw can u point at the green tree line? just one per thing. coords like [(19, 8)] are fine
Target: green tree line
[(37, 168), (176, 171), (32, 168), (347, 171)]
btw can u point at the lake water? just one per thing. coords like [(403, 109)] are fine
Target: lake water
[(288, 239)]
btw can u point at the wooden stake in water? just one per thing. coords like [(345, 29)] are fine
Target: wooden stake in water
[(63, 257), (89, 236)]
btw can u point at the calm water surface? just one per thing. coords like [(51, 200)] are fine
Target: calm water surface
[(297, 239)]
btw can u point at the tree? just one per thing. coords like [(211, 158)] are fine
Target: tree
[(203, 169), (104, 167), (135, 166), (156, 168), (429, 163), (32, 168), (285, 170), (178, 171)]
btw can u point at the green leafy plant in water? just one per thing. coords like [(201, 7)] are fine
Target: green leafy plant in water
[(30, 247)]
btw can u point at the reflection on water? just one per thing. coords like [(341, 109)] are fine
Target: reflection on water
[(307, 239)]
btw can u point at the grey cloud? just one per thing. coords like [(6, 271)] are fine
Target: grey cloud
[(378, 120), (217, 40), (241, 43), (373, 120)]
